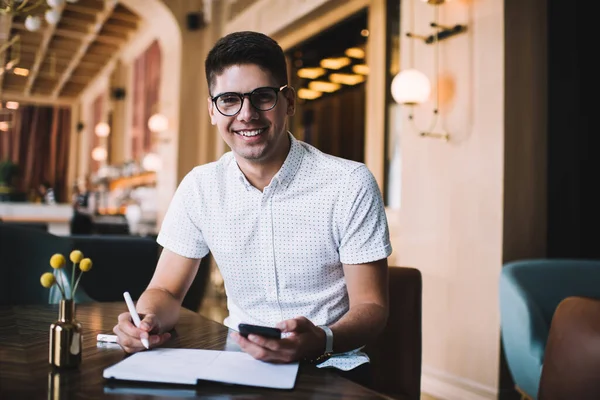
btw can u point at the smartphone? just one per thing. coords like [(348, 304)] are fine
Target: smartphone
[(265, 331)]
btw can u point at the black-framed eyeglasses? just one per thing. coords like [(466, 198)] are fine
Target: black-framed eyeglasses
[(262, 99)]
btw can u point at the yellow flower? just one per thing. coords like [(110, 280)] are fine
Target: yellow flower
[(47, 279), (86, 265), (57, 261), (76, 256)]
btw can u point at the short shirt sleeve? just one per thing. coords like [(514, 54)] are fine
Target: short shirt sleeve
[(364, 228), (179, 231)]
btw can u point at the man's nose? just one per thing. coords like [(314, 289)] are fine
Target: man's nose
[(247, 112)]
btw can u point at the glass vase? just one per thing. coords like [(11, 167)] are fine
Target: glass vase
[(65, 338)]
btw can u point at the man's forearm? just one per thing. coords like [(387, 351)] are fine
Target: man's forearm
[(361, 325), (162, 304)]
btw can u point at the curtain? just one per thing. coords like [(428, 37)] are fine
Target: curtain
[(146, 84), (38, 142)]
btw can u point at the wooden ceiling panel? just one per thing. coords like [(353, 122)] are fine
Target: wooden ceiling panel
[(75, 26), (120, 25), (60, 43), (74, 87), (63, 59), (69, 16), (102, 49), (97, 59), (14, 80)]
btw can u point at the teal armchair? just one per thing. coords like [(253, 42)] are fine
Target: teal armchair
[(24, 256), (530, 291), (121, 263)]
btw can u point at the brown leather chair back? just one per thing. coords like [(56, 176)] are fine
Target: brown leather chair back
[(571, 367), (396, 356)]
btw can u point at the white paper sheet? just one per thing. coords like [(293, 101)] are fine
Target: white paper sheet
[(186, 366)]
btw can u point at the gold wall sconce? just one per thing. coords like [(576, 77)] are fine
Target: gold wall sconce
[(412, 87)]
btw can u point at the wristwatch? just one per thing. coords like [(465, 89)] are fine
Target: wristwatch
[(328, 345)]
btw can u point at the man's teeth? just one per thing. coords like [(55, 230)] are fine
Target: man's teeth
[(250, 133)]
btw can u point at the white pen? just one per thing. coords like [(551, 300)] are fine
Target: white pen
[(134, 316)]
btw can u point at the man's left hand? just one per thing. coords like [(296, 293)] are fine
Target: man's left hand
[(301, 339)]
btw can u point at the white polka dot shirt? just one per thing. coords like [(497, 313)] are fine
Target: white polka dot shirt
[(280, 251)]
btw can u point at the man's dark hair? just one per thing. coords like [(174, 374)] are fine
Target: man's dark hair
[(246, 47)]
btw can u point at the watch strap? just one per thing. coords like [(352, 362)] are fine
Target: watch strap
[(328, 339)]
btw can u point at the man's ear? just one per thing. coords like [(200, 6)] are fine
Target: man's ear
[(290, 95), (211, 111)]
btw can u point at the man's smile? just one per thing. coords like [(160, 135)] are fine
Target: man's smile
[(250, 132)]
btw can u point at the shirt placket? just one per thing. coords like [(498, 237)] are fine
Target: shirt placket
[(268, 247)]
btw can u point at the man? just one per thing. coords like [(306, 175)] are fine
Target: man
[(300, 237)]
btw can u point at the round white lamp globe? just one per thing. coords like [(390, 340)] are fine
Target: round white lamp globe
[(411, 87), (99, 154), (158, 123), (152, 162), (102, 129), (33, 23), (52, 16), (55, 3)]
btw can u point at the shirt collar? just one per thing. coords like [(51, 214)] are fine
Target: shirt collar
[(291, 164), (287, 171)]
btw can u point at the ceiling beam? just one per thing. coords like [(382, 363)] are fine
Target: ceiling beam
[(88, 39), (41, 100), (5, 24), (41, 54)]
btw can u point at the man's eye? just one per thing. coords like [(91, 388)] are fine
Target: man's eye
[(263, 97), (229, 99)]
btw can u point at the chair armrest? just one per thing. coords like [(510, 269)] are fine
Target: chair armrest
[(572, 363), (523, 325), (396, 355)]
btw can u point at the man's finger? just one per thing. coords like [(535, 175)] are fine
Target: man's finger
[(298, 324), (128, 343), (126, 325), (149, 323), (271, 344)]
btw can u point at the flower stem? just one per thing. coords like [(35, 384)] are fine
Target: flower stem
[(76, 284), (73, 282), (61, 289)]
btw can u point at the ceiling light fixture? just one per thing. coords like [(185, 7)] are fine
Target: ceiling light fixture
[(21, 71), (335, 63), (12, 105), (311, 73), (308, 94), (362, 69), (323, 86), (347, 79), (355, 52), (52, 10)]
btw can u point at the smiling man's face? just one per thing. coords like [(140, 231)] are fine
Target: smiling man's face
[(257, 137)]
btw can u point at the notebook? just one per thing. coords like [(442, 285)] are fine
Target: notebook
[(188, 366)]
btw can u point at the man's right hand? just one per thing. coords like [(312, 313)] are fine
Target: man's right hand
[(129, 336)]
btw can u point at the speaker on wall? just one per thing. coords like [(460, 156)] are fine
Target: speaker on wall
[(195, 21), (118, 93)]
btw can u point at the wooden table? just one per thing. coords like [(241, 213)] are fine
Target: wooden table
[(26, 374)]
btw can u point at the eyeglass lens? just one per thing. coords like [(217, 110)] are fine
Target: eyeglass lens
[(263, 99)]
